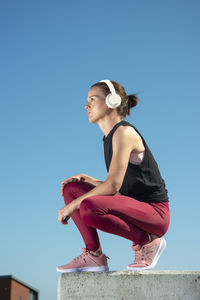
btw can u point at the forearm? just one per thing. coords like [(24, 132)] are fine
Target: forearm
[(93, 181), (103, 188)]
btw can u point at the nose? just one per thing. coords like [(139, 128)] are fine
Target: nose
[(86, 106)]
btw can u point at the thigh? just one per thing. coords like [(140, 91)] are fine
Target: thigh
[(139, 213)]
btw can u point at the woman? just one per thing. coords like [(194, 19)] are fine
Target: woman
[(132, 202)]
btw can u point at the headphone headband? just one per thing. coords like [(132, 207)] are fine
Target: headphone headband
[(110, 85)]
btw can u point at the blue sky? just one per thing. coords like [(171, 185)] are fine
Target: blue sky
[(51, 53)]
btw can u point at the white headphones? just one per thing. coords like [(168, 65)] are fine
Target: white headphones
[(113, 100)]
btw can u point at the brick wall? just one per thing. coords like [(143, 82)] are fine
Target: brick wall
[(18, 290)]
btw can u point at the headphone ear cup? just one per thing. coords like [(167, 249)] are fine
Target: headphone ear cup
[(113, 100)]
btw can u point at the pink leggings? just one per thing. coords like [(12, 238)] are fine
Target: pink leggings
[(116, 214)]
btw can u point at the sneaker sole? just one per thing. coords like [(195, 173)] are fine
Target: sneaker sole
[(160, 250), (86, 269)]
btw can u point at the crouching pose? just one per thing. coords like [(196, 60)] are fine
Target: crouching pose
[(132, 202)]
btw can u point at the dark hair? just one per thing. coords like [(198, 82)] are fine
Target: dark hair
[(128, 101)]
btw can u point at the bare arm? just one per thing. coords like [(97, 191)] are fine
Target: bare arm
[(80, 177), (92, 180), (104, 188), (122, 147)]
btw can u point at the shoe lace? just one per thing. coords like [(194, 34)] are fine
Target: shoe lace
[(82, 256), (148, 252), (140, 253), (143, 253), (85, 252)]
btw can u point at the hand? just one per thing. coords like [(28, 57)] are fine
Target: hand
[(66, 212), (80, 177)]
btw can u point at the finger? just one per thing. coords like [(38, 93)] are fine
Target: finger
[(63, 183), (62, 219), (66, 182), (62, 188), (74, 179)]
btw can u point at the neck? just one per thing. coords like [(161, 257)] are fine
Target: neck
[(108, 123)]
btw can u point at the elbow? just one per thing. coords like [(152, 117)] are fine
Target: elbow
[(114, 186)]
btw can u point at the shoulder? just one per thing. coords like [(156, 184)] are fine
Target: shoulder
[(126, 132), (127, 136)]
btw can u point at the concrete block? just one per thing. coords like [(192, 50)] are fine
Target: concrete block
[(130, 285)]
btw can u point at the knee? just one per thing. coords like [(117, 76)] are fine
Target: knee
[(69, 187), (74, 190), (162, 229), (69, 191), (87, 210), (165, 225), (72, 187)]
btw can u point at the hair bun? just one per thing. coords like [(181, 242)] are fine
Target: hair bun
[(132, 100)]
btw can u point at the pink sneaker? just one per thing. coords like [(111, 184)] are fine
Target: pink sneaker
[(146, 256), (85, 263)]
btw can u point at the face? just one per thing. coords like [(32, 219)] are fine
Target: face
[(96, 105)]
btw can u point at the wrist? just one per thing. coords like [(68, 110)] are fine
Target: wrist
[(76, 204)]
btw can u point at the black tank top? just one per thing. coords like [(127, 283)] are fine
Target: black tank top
[(142, 182)]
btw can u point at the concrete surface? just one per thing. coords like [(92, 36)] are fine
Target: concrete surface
[(130, 285)]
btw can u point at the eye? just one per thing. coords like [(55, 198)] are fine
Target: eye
[(91, 100)]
